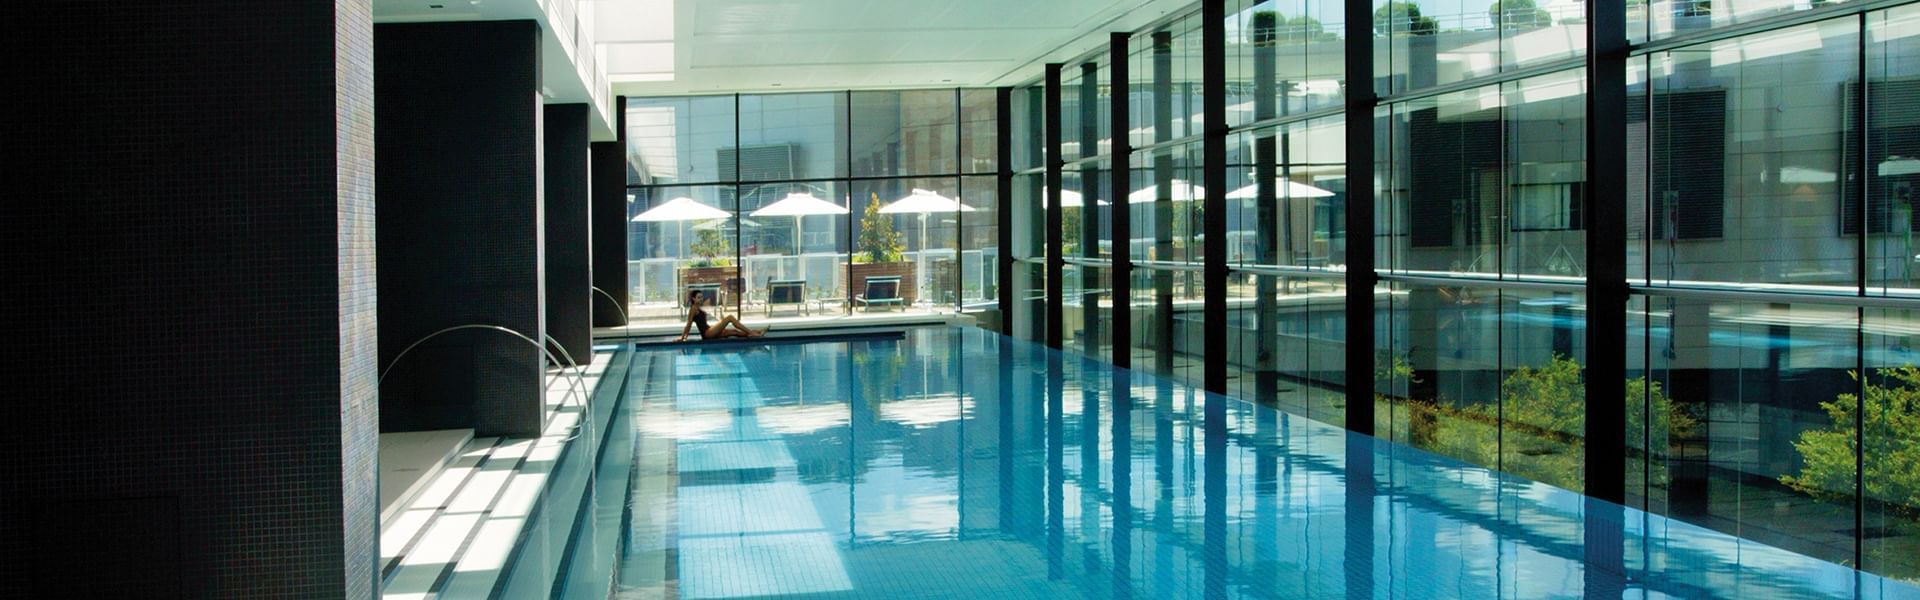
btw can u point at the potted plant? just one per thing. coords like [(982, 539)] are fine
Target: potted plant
[(712, 266), (880, 252)]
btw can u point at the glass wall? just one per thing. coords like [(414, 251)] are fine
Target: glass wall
[(1771, 381), (813, 204)]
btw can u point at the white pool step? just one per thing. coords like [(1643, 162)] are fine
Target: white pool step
[(453, 538)]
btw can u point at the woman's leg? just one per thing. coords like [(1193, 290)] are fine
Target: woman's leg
[(742, 327)]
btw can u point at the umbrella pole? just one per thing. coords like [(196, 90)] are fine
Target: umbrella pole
[(921, 277)]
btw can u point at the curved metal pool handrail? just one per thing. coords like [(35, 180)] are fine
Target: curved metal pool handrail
[(586, 400), (580, 378), (624, 319)]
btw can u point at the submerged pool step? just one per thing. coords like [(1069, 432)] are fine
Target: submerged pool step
[(455, 537)]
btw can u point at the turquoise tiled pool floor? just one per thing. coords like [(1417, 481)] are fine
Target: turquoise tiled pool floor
[(960, 464)]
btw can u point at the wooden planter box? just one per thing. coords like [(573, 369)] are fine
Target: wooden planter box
[(857, 278)]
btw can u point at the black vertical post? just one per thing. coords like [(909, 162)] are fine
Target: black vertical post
[(1359, 225), (1606, 147), (1213, 147), (1089, 138), (609, 189), (1056, 305), (1119, 182), (1163, 202), (1267, 203), (960, 195), (1003, 204)]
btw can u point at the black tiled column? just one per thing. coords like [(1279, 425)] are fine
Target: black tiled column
[(460, 226), (569, 243), (189, 301), (609, 175)]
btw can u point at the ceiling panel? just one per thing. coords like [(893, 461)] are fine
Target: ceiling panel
[(763, 45)]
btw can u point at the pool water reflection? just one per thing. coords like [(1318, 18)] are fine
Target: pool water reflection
[(960, 463)]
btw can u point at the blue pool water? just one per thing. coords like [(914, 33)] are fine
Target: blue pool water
[(962, 464)]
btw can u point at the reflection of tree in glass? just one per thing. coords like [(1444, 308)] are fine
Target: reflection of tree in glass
[(1891, 427), (1403, 17), (1070, 230), (1543, 419), (1268, 28), (879, 242), (1518, 14)]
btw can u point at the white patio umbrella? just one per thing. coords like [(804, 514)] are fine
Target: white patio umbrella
[(923, 203), (1290, 189), (680, 209), (800, 204), (797, 205), (1071, 199), (1183, 191)]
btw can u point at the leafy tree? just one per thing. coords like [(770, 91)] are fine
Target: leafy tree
[(1891, 427), (1543, 418), (879, 242), (1518, 14), (1403, 17), (709, 245)]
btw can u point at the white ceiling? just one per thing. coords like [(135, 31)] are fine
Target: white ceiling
[(665, 47)]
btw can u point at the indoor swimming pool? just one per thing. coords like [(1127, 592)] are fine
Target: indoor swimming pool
[(955, 462)]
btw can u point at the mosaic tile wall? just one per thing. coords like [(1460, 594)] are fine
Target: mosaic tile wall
[(459, 179), (189, 294), (569, 240), (609, 174)]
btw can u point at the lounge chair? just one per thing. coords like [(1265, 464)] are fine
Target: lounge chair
[(881, 291), (787, 291)]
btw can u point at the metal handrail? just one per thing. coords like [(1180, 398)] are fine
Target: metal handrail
[(586, 399), (580, 378), (625, 320)]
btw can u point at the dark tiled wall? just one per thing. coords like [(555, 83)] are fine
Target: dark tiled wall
[(188, 299), (610, 233), (458, 138), (569, 244)]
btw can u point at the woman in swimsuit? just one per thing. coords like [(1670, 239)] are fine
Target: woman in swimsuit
[(697, 317)]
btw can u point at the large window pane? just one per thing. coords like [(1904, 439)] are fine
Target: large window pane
[(979, 130), (789, 136), (906, 229), (1752, 449), (1667, 18), (980, 244), (1747, 144), (1544, 144), (1287, 343), (682, 238), (1287, 205), (1890, 543), (898, 133), (1447, 176), (679, 140), (1893, 150), (794, 234), (1285, 57)]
